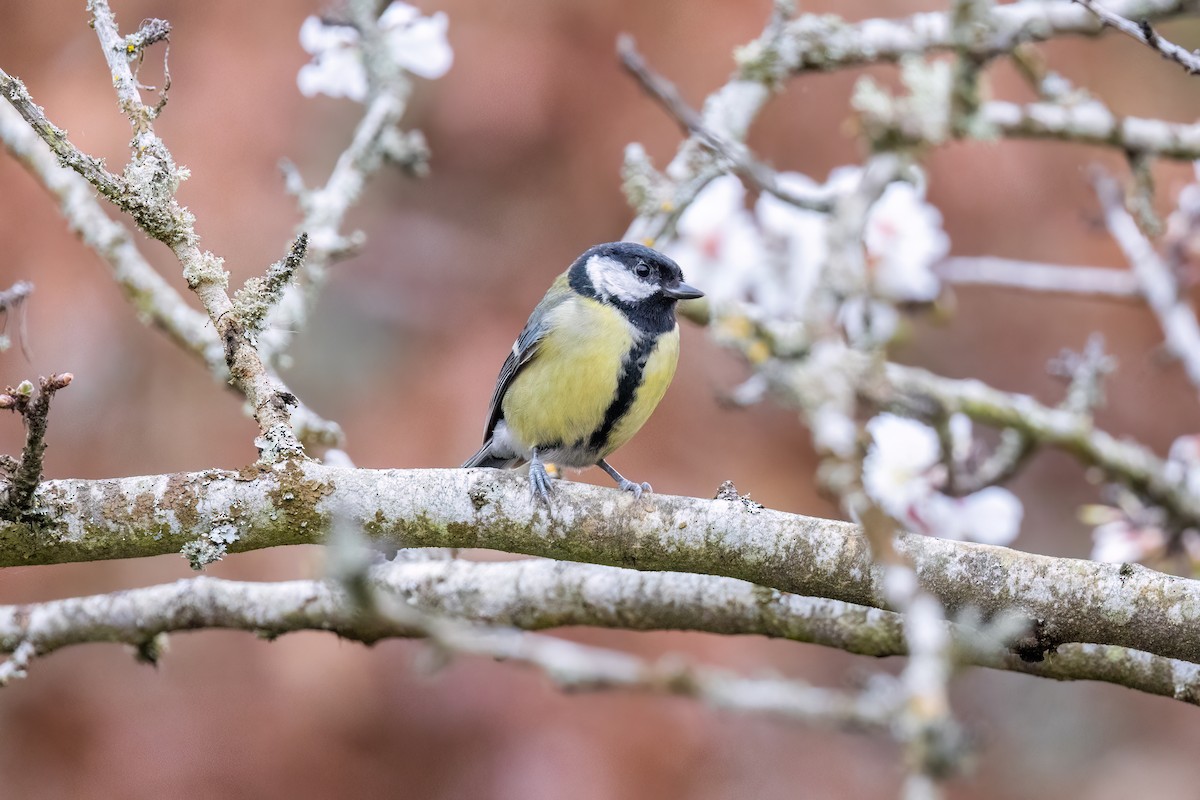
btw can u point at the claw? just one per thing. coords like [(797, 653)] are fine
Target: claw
[(539, 481), (623, 483), (627, 485)]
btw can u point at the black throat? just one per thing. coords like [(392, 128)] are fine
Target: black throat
[(653, 316)]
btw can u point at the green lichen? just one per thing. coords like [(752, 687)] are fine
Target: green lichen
[(202, 552)]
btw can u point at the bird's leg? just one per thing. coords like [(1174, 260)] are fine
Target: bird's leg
[(624, 483), (539, 480)]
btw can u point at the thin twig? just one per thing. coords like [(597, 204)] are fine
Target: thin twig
[(1144, 33), (1037, 277), (34, 408), (740, 159), (1159, 286)]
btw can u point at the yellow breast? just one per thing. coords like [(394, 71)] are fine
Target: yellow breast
[(660, 369), (560, 397)]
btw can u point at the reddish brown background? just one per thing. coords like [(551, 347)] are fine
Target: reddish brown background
[(527, 132)]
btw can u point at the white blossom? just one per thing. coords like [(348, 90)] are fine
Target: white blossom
[(1183, 462), (989, 516), (418, 45), (833, 431), (901, 465), (902, 472), (717, 242), (801, 236), (904, 239), (1119, 541)]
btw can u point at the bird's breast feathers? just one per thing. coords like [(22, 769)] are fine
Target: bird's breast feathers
[(559, 401)]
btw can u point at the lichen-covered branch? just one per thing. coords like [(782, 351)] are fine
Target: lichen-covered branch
[(1083, 122), (1075, 601), (1122, 460), (825, 42), (34, 407), (151, 179), (146, 190), (537, 595), (156, 302)]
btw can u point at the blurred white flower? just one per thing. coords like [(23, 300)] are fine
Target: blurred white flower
[(902, 472), (989, 516), (418, 44), (904, 239), (901, 467), (1127, 532), (1121, 542), (717, 241), (800, 235), (336, 68), (1183, 463), (834, 431)]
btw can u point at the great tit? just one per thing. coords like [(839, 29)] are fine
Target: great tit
[(594, 359)]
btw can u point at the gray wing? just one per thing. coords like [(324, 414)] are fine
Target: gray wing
[(523, 351), (525, 348)]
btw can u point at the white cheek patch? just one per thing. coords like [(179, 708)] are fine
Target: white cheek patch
[(611, 279)]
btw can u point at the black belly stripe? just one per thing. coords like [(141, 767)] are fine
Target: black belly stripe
[(633, 366)]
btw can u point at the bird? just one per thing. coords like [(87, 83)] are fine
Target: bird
[(591, 364)]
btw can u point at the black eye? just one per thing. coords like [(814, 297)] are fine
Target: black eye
[(642, 270)]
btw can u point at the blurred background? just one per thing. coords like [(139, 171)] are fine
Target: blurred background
[(527, 132)]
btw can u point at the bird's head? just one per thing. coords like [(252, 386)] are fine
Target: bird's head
[(630, 275)]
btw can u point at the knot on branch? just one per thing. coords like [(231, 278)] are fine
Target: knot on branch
[(151, 32), (24, 475)]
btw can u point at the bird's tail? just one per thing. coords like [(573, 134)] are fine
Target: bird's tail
[(485, 458)]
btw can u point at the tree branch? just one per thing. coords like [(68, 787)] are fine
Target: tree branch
[(1158, 283), (152, 297), (1036, 277), (1146, 35), (740, 159), (1075, 601), (536, 595), (825, 42), (34, 408)]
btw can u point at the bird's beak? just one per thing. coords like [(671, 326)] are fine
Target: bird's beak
[(681, 291)]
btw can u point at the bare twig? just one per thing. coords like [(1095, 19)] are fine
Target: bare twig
[(728, 112), (740, 159), (146, 191), (1085, 373), (1036, 277), (1159, 285), (1144, 33), (34, 408)]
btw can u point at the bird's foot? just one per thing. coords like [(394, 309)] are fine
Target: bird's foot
[(627, 485), (540, 482), (623, 483)]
